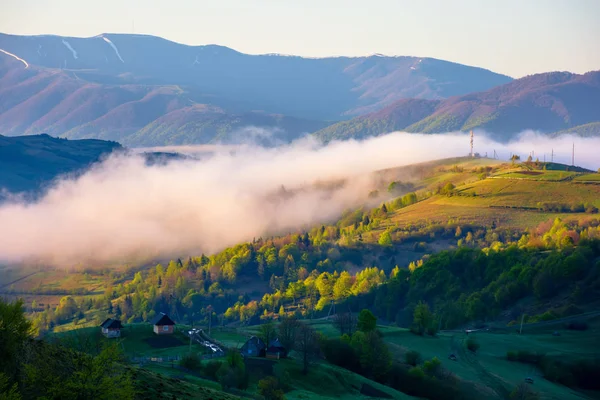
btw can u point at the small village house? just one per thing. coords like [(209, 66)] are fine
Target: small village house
[(163, 325), (254, 347), (111, 328), (276, 350)]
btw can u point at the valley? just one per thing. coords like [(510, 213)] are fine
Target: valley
[(299, 200)]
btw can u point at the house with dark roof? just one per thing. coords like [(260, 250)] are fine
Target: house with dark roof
[(111, 328), (163, 325), (276, 350), (254, 347)]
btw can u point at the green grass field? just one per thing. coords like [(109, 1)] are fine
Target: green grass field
[(167, 383), (489, 368), (588, 178), (506, 202), (137, 340), (537, 175), (326, 381)]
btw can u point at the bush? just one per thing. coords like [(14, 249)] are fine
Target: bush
[(432, 367), (412, 357), (432, 330), (416, 373), (191, 362), (523, 392), (472, 344), (269, 388), (211, 368)]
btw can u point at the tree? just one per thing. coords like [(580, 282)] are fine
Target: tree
[(345, 323), (307, 344), (385, 239), (232, 373), (287, 332), (422, 317), (267, 332), (15, 329), (269, 388), (367, 322), (373, 353)]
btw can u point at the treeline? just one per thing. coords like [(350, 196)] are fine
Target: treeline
[(568, 208), (475, 285), (467, 284)]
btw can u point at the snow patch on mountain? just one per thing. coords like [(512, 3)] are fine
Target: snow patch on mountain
[(16, 57), (70, 48), (114, 48)]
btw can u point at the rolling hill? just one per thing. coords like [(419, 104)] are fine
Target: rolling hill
[(112, 86), (550, 102), (27, 163)]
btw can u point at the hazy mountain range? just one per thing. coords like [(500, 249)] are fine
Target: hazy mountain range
[(125, 87), (558, 102), (147, 91)]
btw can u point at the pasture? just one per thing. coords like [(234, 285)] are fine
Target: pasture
[(137, 340)]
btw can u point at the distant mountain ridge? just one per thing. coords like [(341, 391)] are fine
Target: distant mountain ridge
[(549, 102), (115, 85)]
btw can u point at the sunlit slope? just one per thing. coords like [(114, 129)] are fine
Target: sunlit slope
[(511, 196)]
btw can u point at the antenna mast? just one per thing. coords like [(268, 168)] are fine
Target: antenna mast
[(573, 156), (472, 154)]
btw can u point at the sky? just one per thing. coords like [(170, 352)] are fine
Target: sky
[(514, 37)]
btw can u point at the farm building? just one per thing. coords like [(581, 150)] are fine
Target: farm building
[(111, 328), (163, 325), (254, 347), (276, 350)]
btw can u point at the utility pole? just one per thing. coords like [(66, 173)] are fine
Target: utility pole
[(472, 154), (552, 159), (522, 319), (573, 155)]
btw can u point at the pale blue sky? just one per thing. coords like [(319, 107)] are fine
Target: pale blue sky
[(515, 37)]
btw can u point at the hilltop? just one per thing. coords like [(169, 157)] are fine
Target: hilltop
[(550, 102)]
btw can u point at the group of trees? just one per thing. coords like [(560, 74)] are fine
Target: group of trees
[(38, 369)]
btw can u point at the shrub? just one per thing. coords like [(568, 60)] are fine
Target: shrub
[(416, 373), (412, 357), (472, 344), (269, 388), (211, 368), (191, 362), (432, 367), (432, 330)]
